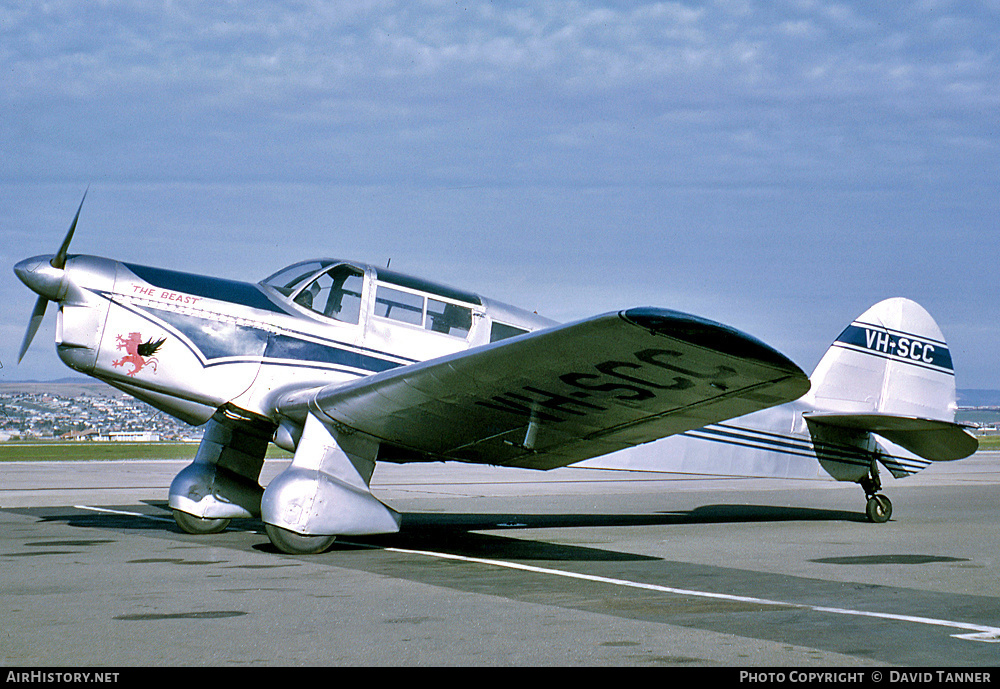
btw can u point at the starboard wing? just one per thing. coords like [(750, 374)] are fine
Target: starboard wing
[(561, 395)]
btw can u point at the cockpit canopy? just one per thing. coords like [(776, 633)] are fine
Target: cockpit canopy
[(327, 287), (334, 289)]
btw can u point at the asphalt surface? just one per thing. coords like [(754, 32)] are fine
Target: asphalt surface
[(502, 567)]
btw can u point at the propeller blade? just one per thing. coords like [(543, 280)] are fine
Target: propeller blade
[(36, 320), (59, 260)]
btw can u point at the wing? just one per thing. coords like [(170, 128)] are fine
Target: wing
[(561, 395)]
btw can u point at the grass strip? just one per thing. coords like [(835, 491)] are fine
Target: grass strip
[(91, 451)]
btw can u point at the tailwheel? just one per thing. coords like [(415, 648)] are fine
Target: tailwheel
[(196, 525), (878, 509), (297, 544)]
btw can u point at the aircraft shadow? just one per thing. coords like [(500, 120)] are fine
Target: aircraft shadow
[(462, 533), (705, 514)]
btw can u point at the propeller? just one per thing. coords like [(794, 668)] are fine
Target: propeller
[(59, 262)]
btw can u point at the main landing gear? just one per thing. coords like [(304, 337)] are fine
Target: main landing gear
[(196, 525), (284, 540), (879, 507), (297, 544), (326, 489)]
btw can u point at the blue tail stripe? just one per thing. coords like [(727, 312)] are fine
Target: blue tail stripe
[(897, 346)]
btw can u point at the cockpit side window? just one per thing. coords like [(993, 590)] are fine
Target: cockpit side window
[(405, 307), (287, 280), (423, 311), (450, 319), (335, 294), (502, 331)]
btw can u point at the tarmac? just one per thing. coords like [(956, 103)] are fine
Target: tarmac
[(505, 567)]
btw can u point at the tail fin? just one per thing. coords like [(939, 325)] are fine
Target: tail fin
[(890, 373), (892, 360)]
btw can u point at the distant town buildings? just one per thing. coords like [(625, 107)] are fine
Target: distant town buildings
[(87, 418)]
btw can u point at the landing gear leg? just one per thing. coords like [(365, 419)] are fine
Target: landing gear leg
[(879, 507), (325, 492), (222, 481)]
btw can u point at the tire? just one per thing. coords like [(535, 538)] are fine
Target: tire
[(878, 509), (297, 544), (196, 525)]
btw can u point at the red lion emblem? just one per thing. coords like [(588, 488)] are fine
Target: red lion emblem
[(138, 353)]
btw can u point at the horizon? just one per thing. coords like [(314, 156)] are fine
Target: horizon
[(992, 394)]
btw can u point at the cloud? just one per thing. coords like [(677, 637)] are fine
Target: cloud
[(295, 89)]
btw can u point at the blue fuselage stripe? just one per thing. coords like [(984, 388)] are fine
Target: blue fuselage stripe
[(797, 446), (284, 347)]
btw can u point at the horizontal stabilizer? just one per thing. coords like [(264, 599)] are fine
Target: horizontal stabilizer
[(932, 439)]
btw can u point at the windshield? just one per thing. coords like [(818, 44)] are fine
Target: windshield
[(287, 280)]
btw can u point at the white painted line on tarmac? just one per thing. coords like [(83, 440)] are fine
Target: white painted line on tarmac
[(973, 632), (105, 510)]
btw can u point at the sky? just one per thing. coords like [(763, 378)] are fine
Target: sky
[(778, 166)]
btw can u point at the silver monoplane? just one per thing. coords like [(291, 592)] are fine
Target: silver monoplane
[(345, 364)]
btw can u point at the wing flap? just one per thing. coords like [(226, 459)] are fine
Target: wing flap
[(564, 394)]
